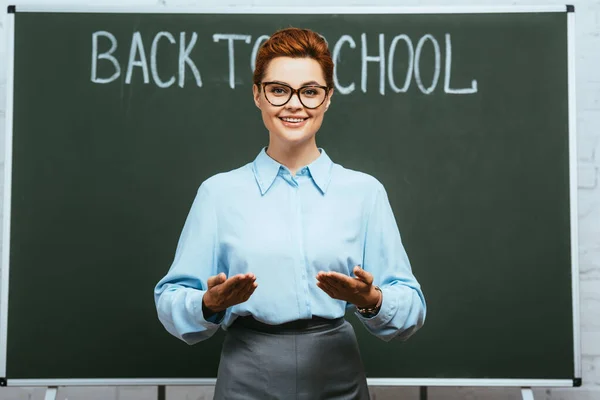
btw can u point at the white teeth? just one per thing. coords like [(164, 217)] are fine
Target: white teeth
[(293, 119)]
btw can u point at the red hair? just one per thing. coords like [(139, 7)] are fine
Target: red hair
[(295, 43)]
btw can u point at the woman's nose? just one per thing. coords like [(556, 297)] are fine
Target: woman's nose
[(294, 101)]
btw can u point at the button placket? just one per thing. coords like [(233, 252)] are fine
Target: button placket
[(295, 233), (301, 251)]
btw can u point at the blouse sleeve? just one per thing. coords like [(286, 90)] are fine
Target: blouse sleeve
[(403, 308), (178, 296)]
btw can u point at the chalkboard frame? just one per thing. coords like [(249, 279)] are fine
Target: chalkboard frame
[(6, 227)]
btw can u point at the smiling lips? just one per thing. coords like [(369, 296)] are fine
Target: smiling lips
[(293, 122)]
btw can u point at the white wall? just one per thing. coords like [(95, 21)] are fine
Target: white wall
[(588, 120)]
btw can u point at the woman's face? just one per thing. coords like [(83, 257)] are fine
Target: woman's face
[(291, 124)]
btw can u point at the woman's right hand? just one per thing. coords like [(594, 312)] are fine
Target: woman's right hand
[(223, 293)]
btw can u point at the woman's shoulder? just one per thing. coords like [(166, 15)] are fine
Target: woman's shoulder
[(235, 179), (357, 179)]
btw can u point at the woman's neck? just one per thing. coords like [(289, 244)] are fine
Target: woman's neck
[(294, 157)]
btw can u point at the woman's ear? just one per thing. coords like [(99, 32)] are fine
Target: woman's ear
[(256, 95), (329, 99)]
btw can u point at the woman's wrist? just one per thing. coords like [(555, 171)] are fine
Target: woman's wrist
[(376, 298), (209, 306), (206, 311), (378, 306)]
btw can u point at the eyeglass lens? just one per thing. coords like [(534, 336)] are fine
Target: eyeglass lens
[(310, 96)]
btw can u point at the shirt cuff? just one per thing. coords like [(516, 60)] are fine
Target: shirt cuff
[(386, 312), (212, 321)]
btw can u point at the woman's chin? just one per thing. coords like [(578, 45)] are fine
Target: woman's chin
[(293, 137)]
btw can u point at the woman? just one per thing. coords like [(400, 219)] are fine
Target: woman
[(272, 251)]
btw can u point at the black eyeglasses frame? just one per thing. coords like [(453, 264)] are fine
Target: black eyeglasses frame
[(295, 92)]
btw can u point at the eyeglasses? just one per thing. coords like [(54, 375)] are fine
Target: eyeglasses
[(278, 94)]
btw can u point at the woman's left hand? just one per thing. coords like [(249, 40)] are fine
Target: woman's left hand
[(358, 291)]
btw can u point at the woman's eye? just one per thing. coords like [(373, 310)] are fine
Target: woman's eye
[(311, 92), (279, 90)]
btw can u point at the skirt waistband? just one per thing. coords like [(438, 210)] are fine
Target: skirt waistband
[(314, 324)]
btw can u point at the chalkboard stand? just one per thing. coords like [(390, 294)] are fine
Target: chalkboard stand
[(527, 393), (423, 393), (51, 393), (162, 392)]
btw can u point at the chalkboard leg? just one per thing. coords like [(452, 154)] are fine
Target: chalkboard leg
[(162, 392), (423, 393), (527, 393), (51, 393)]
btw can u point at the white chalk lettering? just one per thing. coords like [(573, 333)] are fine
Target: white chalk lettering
[(230, 37), (104, 56), (153, 67), (184, 58), (401, 70), (365, 59), (336, 59), (409, 72), (137, 48), (255, 48), (448, 72), (436, 73)]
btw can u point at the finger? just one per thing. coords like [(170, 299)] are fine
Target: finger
[(211, 281), (331, 282), (339, 276), (242, 296), (348, 285), (335, 291), (240, 291), (324, 288), (363, 275), (234, 282), (250, 292), (245, 279), (339, 280), (216, 280), (321, 274), (250, 289)]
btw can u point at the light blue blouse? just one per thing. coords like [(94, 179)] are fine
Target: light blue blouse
[(285, 229)]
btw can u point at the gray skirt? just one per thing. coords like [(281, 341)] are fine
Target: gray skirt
[(313, 364)]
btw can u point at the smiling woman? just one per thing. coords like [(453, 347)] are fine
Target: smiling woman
[(275, 252), (290, 98)]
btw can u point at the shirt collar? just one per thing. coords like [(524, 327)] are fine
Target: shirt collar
[(266, 169), (320, 170)]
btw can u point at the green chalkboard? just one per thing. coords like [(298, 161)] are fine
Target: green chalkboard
[(473, 149)]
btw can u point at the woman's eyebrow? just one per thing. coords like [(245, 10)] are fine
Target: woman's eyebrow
[(281, 82), (309, 83)]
